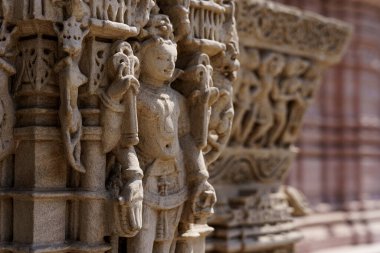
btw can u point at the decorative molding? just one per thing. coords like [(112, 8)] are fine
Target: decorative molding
[(273, 26)]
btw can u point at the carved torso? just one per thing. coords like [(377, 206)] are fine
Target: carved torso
[(158, 123), (159, 151)]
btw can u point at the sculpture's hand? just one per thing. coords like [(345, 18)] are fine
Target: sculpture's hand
[(204, 200), (130, 201), (121, 84)]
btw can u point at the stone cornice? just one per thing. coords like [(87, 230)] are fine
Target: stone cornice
[(274, 26)]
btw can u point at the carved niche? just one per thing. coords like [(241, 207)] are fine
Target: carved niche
[(283, 54), (111, 112)]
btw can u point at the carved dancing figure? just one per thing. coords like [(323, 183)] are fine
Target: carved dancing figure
[(246, 93), (70, 77), (269, 70), (283, 92), (169, 155), (304, 96)]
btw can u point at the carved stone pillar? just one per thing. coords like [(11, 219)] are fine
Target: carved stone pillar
[(110, 113), (283, 53)]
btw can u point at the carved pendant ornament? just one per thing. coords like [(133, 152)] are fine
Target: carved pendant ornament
[(111, 112)]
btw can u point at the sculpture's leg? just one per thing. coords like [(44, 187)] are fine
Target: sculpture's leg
[(173, 217), (247, 125), (278, 129), (259, 132), (143, 242)]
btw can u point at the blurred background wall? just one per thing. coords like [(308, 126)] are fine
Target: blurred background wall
[(338, 166)]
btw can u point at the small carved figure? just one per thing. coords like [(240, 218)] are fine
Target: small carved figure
[(225, 65), (304, 96), (71, 36), (80, 10), (111, 10), (178, 11), (173, 164), (282, 94), (246, 92), (271, 66), (76, 8)]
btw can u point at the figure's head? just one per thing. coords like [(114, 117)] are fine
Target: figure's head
[(158, 53), (71, 35), (295, 66), (272, 64), (314, 71), (158, 57), (250, 57)]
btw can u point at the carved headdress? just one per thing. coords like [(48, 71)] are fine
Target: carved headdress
[(158, 30)]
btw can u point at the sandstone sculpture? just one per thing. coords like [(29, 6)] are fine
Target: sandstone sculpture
[(115, 111), (283, 53)]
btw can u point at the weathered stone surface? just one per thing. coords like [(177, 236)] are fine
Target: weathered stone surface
[(283, 54), (115, 111)]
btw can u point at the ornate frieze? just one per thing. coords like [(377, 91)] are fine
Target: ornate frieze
[(272, 25)]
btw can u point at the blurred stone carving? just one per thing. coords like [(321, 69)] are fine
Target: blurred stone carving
[(283, 55)]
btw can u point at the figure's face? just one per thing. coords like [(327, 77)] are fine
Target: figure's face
[(159, 62), (72, 36), (296, 66), (276, 65), (253, 58)]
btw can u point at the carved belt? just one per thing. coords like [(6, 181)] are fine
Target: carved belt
[(167, 202)]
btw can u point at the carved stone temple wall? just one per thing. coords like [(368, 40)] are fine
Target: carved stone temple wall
[(110, 113), (284, 53)]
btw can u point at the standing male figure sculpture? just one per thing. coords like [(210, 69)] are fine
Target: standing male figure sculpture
[(167, 152)]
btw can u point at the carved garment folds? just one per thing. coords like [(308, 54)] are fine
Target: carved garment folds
[(116, 110)]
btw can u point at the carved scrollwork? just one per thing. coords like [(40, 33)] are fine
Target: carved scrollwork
[(251, 166)]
